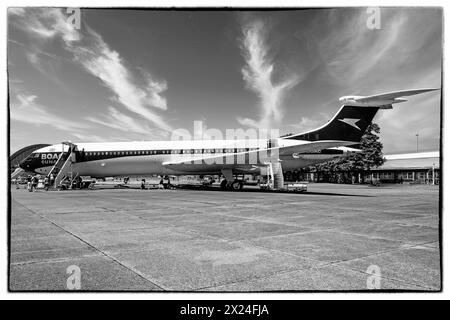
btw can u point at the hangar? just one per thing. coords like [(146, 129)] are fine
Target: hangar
[(21, 154), (422, 167)]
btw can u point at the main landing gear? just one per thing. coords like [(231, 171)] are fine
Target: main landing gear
[(230, 183), (235, 185)]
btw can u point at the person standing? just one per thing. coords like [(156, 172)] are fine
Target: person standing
[(29, 178), (79, 181), (52, 180), (46, 183), (34, 183)]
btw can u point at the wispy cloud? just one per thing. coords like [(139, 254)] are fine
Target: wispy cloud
[(46, 63), (16, 11), (108, 66), (82, 137), (354, 56), (25, 108), (306, 123), (120, 121), (404, 54), (91, 52), (258, 75)]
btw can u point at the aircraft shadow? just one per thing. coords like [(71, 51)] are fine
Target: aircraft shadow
[(306, 193)]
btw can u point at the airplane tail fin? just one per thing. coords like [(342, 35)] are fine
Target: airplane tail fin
[(348, 124), (357, 113)]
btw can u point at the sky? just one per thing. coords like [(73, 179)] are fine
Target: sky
[(132, 75)]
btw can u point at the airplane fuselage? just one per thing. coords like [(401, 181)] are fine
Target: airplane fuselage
[(155, 157)]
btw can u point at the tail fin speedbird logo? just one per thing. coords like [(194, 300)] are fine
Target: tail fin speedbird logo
[(352, 122)]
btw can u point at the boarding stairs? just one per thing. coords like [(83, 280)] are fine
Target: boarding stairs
[(63, 167)]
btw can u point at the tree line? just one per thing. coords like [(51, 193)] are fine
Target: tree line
[(354, 168)]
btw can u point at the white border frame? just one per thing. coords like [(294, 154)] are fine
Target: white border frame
[(203, 296)]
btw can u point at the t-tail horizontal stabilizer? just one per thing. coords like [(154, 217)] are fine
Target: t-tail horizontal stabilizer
[(383, 100), (357, 113)]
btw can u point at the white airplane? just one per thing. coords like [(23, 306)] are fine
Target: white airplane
[(226, 157)]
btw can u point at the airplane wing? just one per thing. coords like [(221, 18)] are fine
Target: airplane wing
[(393, 95), (229, 159)]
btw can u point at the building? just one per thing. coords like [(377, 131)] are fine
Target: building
[(21, 154), (422, 167)]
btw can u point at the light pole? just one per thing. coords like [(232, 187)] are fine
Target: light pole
[(433, 175), (417, 142)]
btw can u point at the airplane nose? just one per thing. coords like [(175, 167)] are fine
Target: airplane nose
[(25, 164)]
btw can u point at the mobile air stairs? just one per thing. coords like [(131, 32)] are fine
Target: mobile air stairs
[(63, 168), (274, 171), (275, 179)]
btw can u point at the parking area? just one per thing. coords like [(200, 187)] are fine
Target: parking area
[(333, 237)]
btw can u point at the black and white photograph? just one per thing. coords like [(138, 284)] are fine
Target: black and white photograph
[(224, 150)]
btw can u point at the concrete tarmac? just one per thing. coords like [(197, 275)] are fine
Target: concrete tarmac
[(334, 237)]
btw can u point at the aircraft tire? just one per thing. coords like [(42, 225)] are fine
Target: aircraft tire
[(237, 185), (224, 185)]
